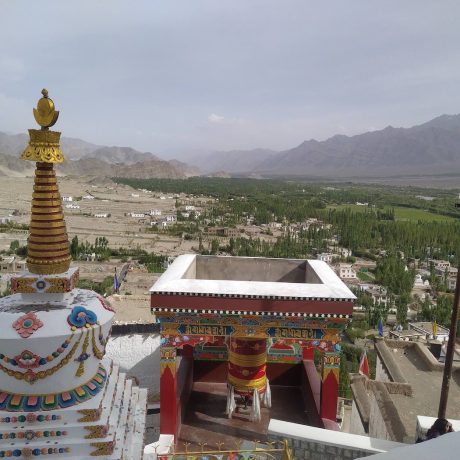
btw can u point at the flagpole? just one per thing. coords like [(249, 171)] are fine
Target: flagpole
[(450, 351)]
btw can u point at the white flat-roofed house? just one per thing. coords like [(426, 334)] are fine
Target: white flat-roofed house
[(137, 215), (344, 252), (88, 197), (170, 218), (346, 271), (11, 264), (325, 257), (155, 212), (67, 199), (451, 283), (72, 206), (102, 215), (190, 207)]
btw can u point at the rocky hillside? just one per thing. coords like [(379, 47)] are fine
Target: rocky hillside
[(86, 159)]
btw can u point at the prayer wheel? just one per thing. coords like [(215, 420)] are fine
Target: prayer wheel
[(247, 365)]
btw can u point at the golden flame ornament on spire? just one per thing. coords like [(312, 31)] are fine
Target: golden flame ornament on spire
[(44, 144), (48, 244)]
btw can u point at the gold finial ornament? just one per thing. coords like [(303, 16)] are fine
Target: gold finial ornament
[(48, 243), (44, 144), (45, 113)]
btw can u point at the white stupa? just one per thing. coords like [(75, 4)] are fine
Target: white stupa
[(59, 396)]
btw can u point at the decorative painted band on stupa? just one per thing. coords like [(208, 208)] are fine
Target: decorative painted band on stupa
[(48, 244)]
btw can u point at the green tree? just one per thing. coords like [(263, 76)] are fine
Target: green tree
[(74, 248), (14, 245), (344, 378)]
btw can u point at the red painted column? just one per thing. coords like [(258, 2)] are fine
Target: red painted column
[(168, 388), (330, 385), (308, 353)]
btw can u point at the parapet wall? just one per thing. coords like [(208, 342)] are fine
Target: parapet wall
[(318, 444)]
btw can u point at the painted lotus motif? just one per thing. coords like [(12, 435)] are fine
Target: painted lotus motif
[(27, 360), (81, 317), (27, 324)]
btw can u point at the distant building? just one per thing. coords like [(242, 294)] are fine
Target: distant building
[(102, 215), (67, 199), (223, 231), (346, 271), (325, 257), (5, 220), (88, 197), (190, 208), (11, 264), (72, 206), (344, 252), (451, 283), (137, 215), (155, 212)]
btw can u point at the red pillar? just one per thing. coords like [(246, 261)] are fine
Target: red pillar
[(308, 353), (168, 388), (330, 385)]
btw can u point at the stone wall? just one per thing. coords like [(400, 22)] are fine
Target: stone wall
[(356, 424), (318, 444)]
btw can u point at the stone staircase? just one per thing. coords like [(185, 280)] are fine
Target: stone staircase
[(110, 426)]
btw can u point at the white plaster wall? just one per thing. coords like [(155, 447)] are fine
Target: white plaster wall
[(381, 375), (356, 425), (138, 355)]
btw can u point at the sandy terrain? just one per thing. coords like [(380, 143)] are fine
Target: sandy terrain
[(117, 200)]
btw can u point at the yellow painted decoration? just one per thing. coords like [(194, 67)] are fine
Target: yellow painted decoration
[(43, 147)]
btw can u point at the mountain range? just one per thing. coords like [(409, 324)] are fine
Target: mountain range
[(426, 149), (432, 148), (84, 158)]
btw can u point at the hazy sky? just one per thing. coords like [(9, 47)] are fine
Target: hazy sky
[(173, 76)]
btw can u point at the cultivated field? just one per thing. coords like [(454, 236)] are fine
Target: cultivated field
[(401, 213)]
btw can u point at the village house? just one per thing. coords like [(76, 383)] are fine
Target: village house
[(378, 293), (170, 218), (451, 283), (11, 264), (346, 272), (223, 231), (325, 257), (67, 199), (5, 220), (102, 215)]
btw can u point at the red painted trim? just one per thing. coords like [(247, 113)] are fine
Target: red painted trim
[(223, 303), (168, 403), (329, 396)]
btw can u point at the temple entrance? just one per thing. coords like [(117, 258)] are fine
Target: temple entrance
[(238, 352)]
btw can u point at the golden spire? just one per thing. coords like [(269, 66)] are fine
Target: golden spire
[(48, 244)]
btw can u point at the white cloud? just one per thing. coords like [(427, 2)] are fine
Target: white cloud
[(214, 118)]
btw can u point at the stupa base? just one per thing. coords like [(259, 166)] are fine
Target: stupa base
[(111, 424)]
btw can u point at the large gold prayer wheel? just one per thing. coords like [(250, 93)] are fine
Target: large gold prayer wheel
[(247, 364)]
